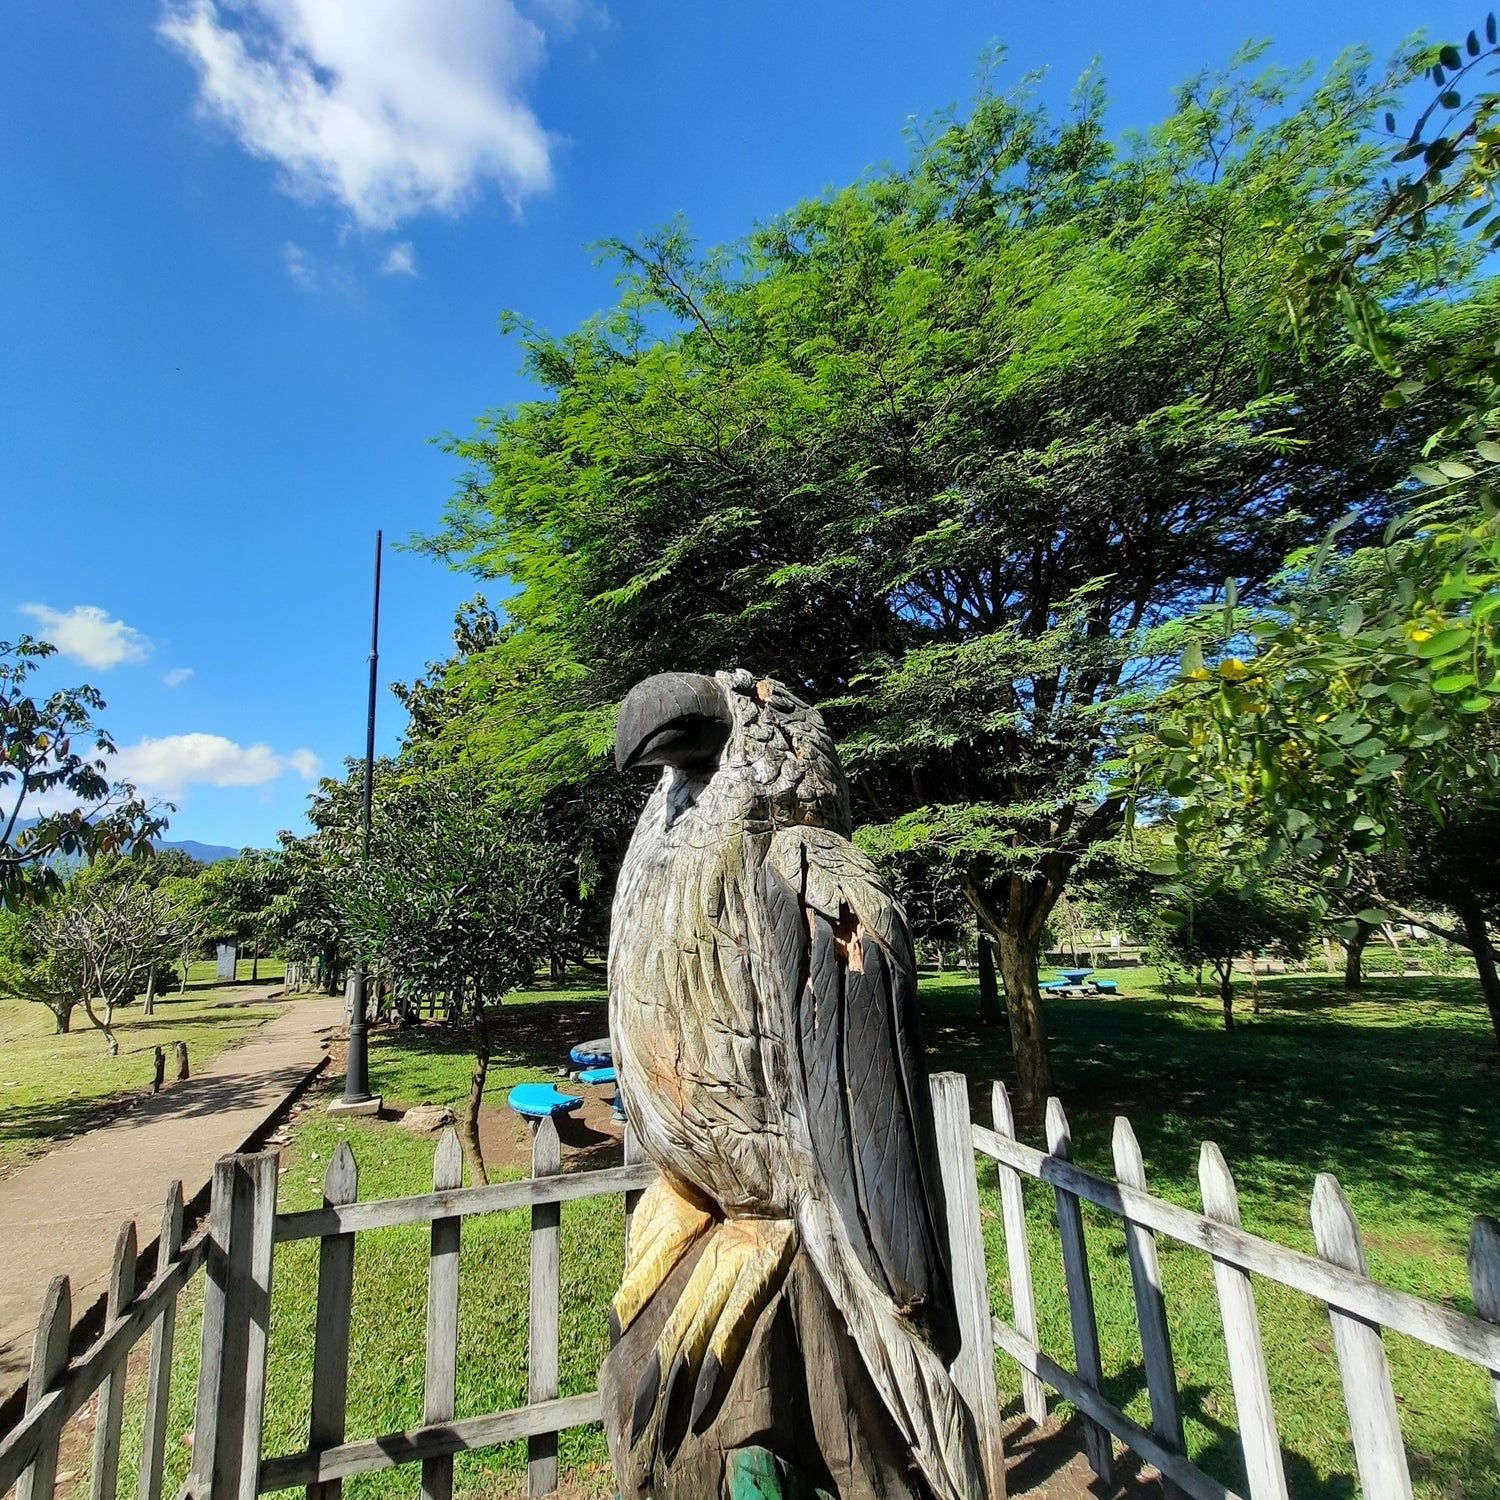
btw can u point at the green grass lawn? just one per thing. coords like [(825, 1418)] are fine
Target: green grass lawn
[(1394, 1093), (53, 1086)]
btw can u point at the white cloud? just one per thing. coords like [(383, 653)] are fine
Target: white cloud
[(87, 634), (165, 767), (388, 107), (298, 267), (401, 261), (177, 676)]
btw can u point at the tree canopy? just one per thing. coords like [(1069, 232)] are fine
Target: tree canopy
[(948, 451)]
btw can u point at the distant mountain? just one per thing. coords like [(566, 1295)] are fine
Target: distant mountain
[(205, 854)]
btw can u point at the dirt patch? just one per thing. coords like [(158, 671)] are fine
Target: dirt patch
[(1049, 1463)]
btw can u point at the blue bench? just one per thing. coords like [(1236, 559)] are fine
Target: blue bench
[(597, 1075), (1106, 986), (540, 1101), (596, 1054)]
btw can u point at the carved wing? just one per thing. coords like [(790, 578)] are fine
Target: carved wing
[(842, 961)]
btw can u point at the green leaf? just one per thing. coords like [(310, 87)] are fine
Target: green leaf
[(1384, 765), (1163, 867), (1192, 660), (1444, 643), (1428, 475), (1450, 57), (1373, 915), (1454, 682), (1478, 704), (1488, 451), (1351, 620), (1452, 468)]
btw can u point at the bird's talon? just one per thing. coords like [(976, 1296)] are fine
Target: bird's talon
[(705, 1393), (645, 1398)]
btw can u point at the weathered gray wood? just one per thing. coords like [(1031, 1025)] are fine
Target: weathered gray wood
[(634, 1156), (211, 1371), (1150, 1303), (104, 1480), (43, 1423), (163, 1337), (180, 1048), (1484, 1281), (371, 1454), (441, 1386), (542, 1347), (49, 1358), (1018, 1255), (236, 1318), (259, 1173), (1259, 1438), (494, 1197), (330, 1388), (1176, 1469), (1469, 1338), (1080, 1291), (974, 1369), (1374, 1424)]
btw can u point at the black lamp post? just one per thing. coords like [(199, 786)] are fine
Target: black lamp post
[(357, 1096)]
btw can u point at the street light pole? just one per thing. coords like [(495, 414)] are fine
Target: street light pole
[(357, 1096)]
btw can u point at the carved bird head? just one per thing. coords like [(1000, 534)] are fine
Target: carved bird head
[(746, 735)]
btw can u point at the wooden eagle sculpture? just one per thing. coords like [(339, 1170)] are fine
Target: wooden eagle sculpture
[(762, 1005)]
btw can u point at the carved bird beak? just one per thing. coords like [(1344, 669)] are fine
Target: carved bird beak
[(673, 719)]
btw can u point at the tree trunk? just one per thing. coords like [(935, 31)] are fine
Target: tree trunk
[(1478, 932), (255, 963), (64, 1014), (1254, 989), (1354, 953), (182, 988), (148, 1007), (989, 994), (479, 1027), (1198, 983), (1226, 992), (1023, 1007), (940, 958), (558, 968), (1328, 962)]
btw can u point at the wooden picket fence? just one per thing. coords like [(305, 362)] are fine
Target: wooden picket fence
[(236, 1250)]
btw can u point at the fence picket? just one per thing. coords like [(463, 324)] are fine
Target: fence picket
[(216, 1273), (1150, 1303), (1080, 1292), (974, 1369), (546, 1270), (1018, 1255), (1247, 1361), (104, 1480), (163, 1337), (330, 1389), (49, 1358), (633, 1156), (1374, 1424), (441, 1383), (1484, 1280), (259, 1176)]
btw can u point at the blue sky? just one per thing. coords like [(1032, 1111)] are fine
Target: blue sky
[(254, 252)]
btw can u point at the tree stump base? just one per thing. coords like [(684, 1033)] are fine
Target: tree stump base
[(800, 1420)]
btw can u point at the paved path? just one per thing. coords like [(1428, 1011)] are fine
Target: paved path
[(61, 1214)]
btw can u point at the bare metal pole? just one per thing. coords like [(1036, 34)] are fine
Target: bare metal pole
[(357, 1073)]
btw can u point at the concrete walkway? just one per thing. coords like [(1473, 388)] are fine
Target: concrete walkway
[(61, 1214)]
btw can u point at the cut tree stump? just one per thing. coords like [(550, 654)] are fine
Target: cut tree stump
[(800, 1418)]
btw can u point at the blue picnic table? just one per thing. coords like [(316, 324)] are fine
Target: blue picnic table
[(539, 1101)]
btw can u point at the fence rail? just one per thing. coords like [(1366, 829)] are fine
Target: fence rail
[(235, 1250), (1359, 1309)]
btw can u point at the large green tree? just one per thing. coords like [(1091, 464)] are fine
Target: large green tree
[(940, 450)]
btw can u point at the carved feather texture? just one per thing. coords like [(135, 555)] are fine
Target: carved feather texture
[(763, 1010)]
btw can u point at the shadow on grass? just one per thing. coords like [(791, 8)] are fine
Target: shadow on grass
[(1388, 1092)]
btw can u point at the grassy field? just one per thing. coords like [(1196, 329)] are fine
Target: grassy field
[(1393, 1092), (53, 1086)]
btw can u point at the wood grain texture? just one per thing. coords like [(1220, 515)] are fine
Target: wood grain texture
[(1176, 1469), (104, 1475), (1150, 1301), (1018, 1254), (49, 1358), (1374, 1424), (212, 1389), (1259, 1439), (259, 1177), (1080, 1292), (159, 1368), (43, 1422), (440, 1388), (542, 1339), (459, 1203), (1473, 1339), (420, 1444), (330, 1388), (974, 1369), (1484, 1281)]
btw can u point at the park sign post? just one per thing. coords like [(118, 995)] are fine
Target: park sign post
[(357, 1098)]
